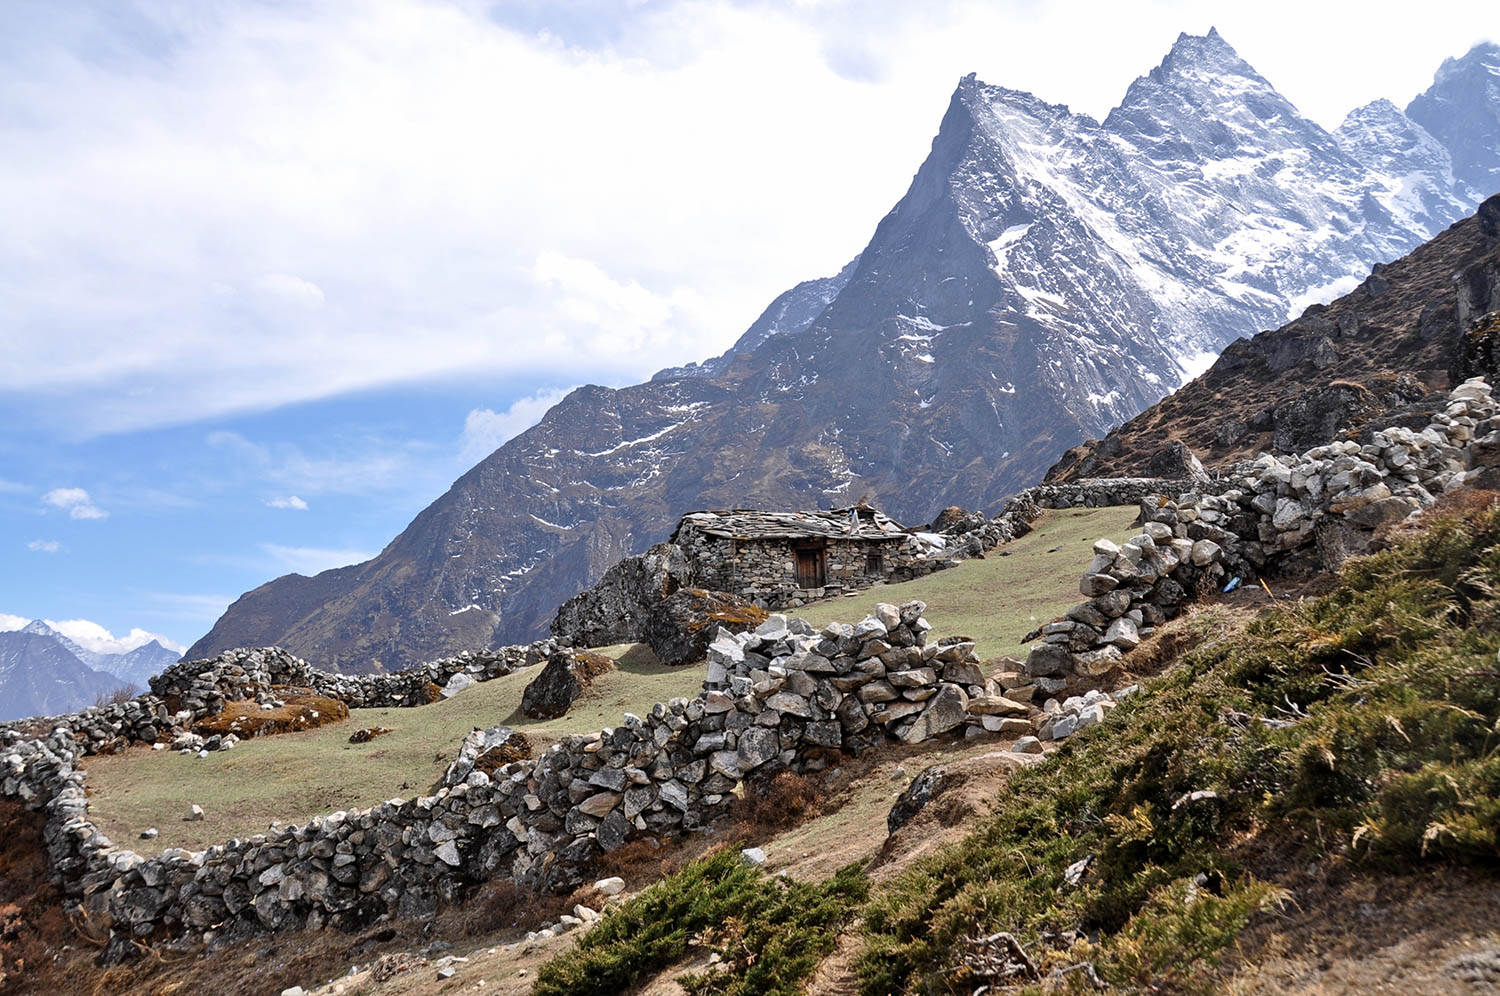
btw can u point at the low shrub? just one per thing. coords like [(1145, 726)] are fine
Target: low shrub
[(770, 932)]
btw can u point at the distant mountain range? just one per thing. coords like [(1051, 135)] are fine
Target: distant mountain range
[(1046, 277), (43, 673)]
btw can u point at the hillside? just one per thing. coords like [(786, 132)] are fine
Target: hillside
[(1303, 793), (1388, 348), (1045, 277), (295, 777)]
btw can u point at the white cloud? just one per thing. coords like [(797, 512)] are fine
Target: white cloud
[(76, 502), (91, 636), (287, 289), (11, 487), (312, 560), (485, 430), (291, 501), (356, 466), (194, 608), (44, 546), (301, 200)]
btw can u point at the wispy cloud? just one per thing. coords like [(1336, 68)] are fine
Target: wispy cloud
[(11, 487), (311, 560), (198, 609), (91, 636), (44, 546), (76, 502), (486, 430), (250, 205), (360, 466), (290, 501)]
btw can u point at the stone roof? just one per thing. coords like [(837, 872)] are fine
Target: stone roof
[(851, 522)]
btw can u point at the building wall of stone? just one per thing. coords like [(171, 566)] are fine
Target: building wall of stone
[(764, 571)]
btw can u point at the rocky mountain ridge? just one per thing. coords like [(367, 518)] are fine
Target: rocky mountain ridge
[(1044, 278), (39, 676), (1380, 355)]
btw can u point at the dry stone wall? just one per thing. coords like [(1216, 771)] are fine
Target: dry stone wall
[(782, 696), (1310, 511)]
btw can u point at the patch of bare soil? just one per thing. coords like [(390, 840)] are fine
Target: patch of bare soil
[(1437, 932)]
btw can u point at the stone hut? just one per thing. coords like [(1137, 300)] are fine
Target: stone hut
[(782, 559)]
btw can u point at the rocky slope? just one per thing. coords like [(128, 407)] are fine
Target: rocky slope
[(40, 677), (1045, 277), (1386, 351), (1462, 110)]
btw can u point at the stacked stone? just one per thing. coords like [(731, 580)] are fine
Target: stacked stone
[(1384, 479), (842, 686), (203, 686), (784, 696), (1105, 492), (103, 729), (1061, 718), (1269, 511)]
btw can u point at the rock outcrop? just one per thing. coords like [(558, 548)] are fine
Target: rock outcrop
[(568, 672), (1385, 353), (680, 627)]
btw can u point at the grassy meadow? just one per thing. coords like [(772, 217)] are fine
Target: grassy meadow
[(294, 776)]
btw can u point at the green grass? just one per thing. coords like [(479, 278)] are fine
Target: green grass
[(1393, 763), (295, 776), (292, 777), (771, 932), (1001, 598)]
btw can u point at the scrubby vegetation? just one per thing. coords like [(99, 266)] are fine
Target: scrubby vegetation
[(1358, 731), (768, 932), (1359, 728)]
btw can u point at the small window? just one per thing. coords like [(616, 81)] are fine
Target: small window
[(874, 563)]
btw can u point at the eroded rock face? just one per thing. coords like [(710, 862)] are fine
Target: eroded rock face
[(1479, 351), (680, 628), (567, 673), (922, 790)]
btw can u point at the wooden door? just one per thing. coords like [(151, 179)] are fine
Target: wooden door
[(811, 568)]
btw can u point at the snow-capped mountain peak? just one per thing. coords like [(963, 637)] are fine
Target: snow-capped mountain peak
[(1044, 277), (1462, 110)]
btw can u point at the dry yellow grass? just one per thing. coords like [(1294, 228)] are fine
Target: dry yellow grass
[(292, 777)]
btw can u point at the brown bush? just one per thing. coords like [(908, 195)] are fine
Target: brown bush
[(501, 904), (776, 803), (637, 860), (302, 711), (32, 924), (118, 696)]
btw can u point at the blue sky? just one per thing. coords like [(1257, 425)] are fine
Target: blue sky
[(273, 274)]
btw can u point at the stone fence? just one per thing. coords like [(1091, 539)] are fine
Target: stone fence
[(1277, 513), (782, 697), (189, 691), (1104, 492)]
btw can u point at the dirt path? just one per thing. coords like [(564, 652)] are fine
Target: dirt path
[(1437, 932)]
